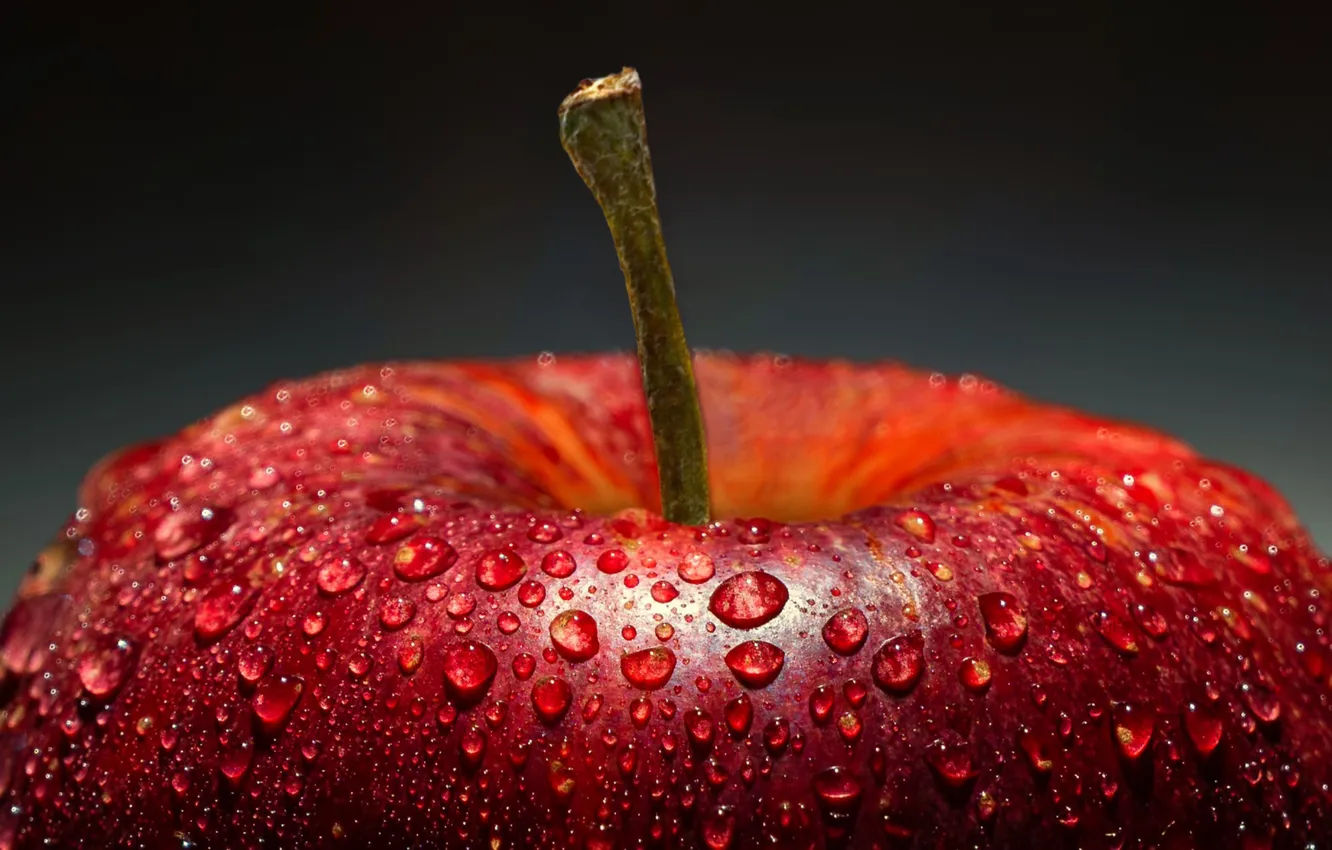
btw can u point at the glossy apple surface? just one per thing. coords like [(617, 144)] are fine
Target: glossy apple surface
[(415, 605)]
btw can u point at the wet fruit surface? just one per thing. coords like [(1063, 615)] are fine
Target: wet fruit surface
[(415, 606)]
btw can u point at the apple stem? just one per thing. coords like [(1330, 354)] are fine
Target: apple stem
[(604, 132)]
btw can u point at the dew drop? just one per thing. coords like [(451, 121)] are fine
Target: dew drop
[(856, 692), (254, 662), (508, 622), (696, 568), (718, 829), (1204, 727), (181, 532), (918, 524), (423, 557), (899, 663), (499, 570), (700, 728), (102, 670), (1116, 632), (648, 669), (469, 668), (411, 653), (274, 699), (755, 663), (396, 612), (846, 631), (612, 561), (1261, 701), (235, 761), (951, 762), (1150, 620), (340, 575), (544, 532), (524, 665), (748, 599), (387, 529), (551, 697), (531, 593), (574, 634), (664, 592), (821, 703), (837, 790), (558, 564), (975, 674), (739, 715), (1134, 725), (1005, 623), (221, 610), (849, 726)]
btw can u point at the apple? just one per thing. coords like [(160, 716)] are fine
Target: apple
[(456, 604)]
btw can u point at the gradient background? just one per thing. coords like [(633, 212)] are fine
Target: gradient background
[(1125, 214)]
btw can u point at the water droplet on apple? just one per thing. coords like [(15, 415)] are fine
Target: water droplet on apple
[(837, 790), (821, 703), (181, 532), (1134, 725), (102, 670), (254, 662), (612, 561), (856, 692), (755, 663), (739, 715), (648, 669), (235, 761), (423, 557), (849, 726), (1116, 632), (551, 697), (951, 762), (531, 593), (274, 699), (899, 663), (558, 564), (718, 829), (1005, 622), (396, 612), (918, 524), (499, 570), (749, 599), (664, 592), (469, 668), (696, 568), (700, 728), (393, 527), (776, 735), (574, 634), (472, 747), (1262, 701), (524, 665), (1204, 727), (221, 610), (846, 631), (340, 575), (544, 532), (975, 674)]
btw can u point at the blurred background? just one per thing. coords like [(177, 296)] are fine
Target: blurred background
[(1126, 214)]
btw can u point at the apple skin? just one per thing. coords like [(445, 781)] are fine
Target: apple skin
[(332, 615)]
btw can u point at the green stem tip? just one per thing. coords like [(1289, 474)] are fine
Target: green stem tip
[(604, 132)]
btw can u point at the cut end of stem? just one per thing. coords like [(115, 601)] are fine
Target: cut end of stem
[(603, 130)]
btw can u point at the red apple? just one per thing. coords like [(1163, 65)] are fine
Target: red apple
[(433, 605)]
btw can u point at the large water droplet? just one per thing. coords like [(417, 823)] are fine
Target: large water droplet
[(387, 529), (235, 761), (254, 662), (340, 575), (739, 714), (664, 592), (700, 728), (951, 762), (837, 790), (181, 532), (1005, 622), (551, 697), (696, 568), (899, 663), (1262, 701), (1116, 632), (574, 634), (821, 703), (469, 668), (1204, 727), (499, 570), (756, 663), (222, 609), (274, 699), (648, 669), (423, 557), (1039, 749), (613, 561), (975, 674), (396, 612), (558, 564), (718, 828), (918, 524), (102, 669), (749, 599), (846, 631), (1134, 725)]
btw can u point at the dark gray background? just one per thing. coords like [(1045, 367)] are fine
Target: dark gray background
[(1123, 213)]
